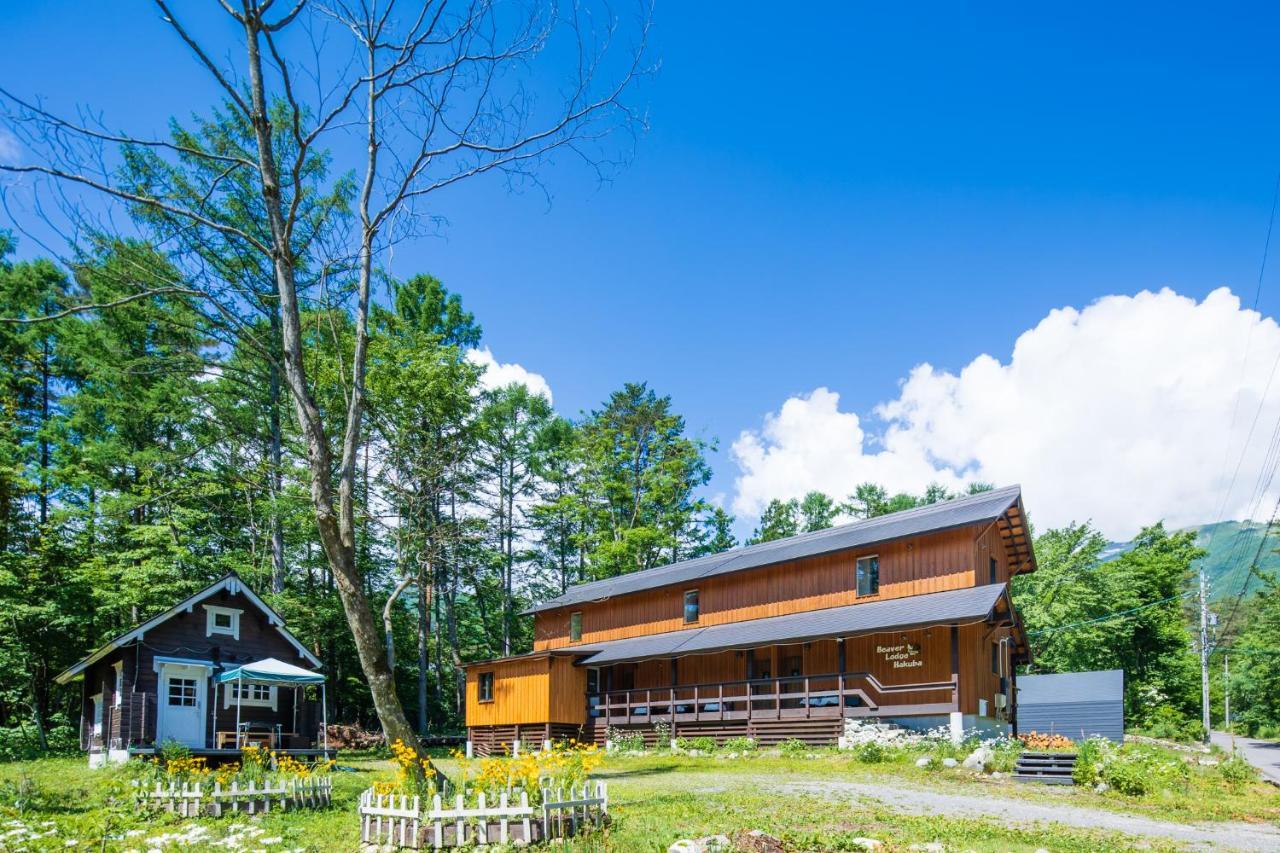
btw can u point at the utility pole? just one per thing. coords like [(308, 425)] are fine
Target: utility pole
[(1204, 653), (1226, 692)]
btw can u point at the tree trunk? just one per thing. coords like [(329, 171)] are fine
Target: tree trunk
[(424, 631), (274, 463)]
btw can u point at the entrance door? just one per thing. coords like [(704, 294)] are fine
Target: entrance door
[(181, 704)]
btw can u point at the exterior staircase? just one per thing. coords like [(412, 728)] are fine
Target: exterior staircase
[(1050, 768)]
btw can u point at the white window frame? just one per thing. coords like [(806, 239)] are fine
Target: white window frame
[(119, 688), (211, 627), (857, 587), (272, 701)]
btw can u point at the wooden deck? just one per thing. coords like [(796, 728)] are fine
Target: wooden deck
[(831, 695)]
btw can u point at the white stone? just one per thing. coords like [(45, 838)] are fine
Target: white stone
[(949, 762), (867, 843), (685, 845), (715, 844), (1101, 787), (979, 759), (923, 762)]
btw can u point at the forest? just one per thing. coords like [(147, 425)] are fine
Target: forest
[(217, 370), (141, 461)]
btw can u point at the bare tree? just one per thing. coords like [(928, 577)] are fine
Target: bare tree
[(430, 94)]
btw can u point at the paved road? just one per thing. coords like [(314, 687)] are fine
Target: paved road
[(1199, 836), (1262, 754)]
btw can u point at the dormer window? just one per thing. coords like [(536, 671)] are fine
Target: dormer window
[(575, 626), (222, 620)]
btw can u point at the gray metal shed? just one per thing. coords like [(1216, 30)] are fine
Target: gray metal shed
[(1079, 705)]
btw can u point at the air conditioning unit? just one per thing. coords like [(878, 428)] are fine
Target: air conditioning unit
[(1002, 701)]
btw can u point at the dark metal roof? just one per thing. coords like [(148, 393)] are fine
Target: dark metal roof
[(958, 605), (1063, 687), (973, 509)]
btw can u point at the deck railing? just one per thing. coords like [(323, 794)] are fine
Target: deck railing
[(850, 694)]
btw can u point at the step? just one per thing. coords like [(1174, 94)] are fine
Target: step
[(1044, 780), (1044, 771), (1063, 755), (1044, 762)]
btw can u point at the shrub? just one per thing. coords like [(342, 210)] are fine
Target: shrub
[(1088, 769), (793, 746), (702, 743), (1167, 723), (626, 740), (871, 752), (1237, 772), (662, 734), (740, 744)]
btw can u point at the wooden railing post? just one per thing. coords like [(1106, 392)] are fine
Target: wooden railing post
[(720, 700), (777, 698), (697, 711)]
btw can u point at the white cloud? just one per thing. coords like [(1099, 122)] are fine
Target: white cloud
[(496, 374), (9, 147), (1124, 412)]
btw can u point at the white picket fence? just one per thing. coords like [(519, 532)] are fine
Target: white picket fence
[(400, 820), (194, 799)]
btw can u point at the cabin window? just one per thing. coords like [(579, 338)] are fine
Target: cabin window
[(993, 570), (250, 695), (868, 570), (575, 626), (995, 659), (593, 680), (691, 606), (183, 692), (486, 687), (97, 714), (119, 688), (222, 620)]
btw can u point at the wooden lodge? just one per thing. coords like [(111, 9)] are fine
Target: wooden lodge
[(905, 617), (214, 673)]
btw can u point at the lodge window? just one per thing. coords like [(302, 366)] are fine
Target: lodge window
[(118, 690), (868, 571), (183, 692), (575, 626), (993, 570), (222, 620), (691, 606), (486, 687), (995, 659)]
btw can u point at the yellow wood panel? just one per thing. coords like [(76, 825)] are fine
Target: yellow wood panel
[(568, 692), (520, 692), (934, 563)]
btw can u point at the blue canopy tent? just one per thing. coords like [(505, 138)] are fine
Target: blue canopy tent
[(272, 671)]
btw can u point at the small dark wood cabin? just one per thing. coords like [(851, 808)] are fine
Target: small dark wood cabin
[(158, 682)]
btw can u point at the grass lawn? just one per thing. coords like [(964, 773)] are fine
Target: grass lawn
[(654, 800)]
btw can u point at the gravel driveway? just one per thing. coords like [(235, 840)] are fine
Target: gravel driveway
[(1209, 836)]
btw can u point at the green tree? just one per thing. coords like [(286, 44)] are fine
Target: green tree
[(779, 520), (817, 512), (639, 482)]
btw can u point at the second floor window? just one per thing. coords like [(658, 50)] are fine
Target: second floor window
[(575, 627), (868, 570), (691, 606), (993, 570), (485, 687)]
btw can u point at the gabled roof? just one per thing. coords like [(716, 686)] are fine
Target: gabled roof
[(971, 604), (231, 583), (961, 512)]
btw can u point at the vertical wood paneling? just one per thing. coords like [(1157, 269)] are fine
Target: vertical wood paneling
[(933, 563)]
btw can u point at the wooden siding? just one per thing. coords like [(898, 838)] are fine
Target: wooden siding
[(530, 690), (183, 636), (934, 563)]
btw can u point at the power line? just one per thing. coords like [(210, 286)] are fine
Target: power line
[(1109, 616)]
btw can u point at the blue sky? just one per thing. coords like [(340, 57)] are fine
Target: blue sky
[(828, 198)]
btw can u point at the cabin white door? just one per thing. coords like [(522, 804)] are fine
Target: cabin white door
[(181, 704)]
